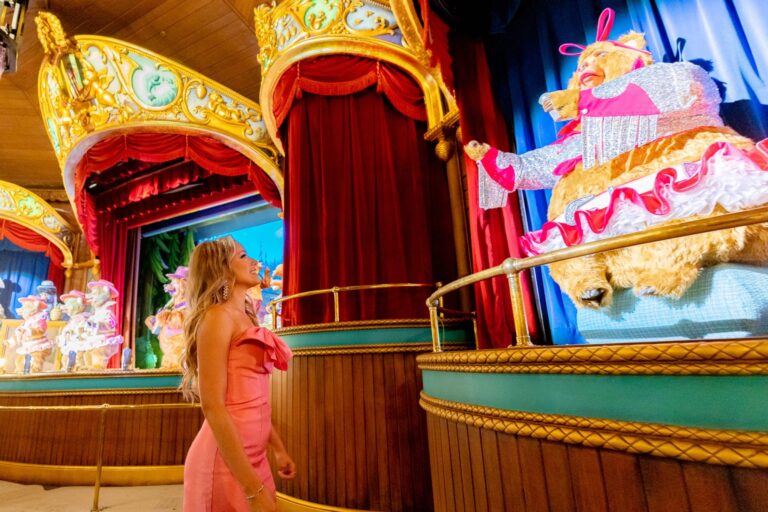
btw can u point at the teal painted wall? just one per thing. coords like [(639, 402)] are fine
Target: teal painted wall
[(719, 402), (60, 383), (375, 337)]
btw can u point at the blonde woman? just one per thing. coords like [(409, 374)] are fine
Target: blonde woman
[(226, 365)]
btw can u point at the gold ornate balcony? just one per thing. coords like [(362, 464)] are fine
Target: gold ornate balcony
[(385, 30), (23, 207), (91, 87)]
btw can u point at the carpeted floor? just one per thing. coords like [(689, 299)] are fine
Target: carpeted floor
[(33, 498)]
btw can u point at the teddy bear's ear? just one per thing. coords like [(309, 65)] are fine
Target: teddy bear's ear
[(633, 39)]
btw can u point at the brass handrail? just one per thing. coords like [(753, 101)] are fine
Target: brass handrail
[(103, 408), (511, 267), (272, 306)]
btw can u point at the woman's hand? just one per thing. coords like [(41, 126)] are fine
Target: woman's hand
[(475, 150), (286, 468), (263, 502)]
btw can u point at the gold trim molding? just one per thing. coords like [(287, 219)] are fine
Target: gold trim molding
[(722, 447), (388, 31), (26, 208), (48, 474), (92, 87), (89, 392), (388, 348), (733, 357), (355, 325)]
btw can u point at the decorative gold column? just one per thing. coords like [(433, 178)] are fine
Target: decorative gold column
[(446, 134)]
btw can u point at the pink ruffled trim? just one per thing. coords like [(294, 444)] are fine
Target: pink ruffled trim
[(654, 201), (276, 352)]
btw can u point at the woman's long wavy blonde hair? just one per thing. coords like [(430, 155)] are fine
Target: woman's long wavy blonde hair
[(209, 282)]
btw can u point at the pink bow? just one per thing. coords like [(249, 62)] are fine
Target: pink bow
[(604, 26)]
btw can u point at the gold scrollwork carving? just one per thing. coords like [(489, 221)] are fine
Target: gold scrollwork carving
[(737, 357), (724, 447), (29, 210), (278, 27), (91, 86)]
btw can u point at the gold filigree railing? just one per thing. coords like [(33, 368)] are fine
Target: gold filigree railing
[(272, 306), (511, 267)]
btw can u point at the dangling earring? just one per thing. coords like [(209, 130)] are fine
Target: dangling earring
[(225, 292)]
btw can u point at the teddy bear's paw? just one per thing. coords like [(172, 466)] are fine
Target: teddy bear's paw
[(595, 297), (645, 291)]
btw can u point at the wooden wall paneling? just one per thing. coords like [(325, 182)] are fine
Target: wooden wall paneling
[(312, 440), (418, 438), (359, 449), (301, 441), (381, 435), (587, 479), (532, 469), (132, 437), (709, 488), (751, 486), (454, 466), (405, 430), (351, 428), (623, 481), (478, 470), (393, 453), (330, 433), (464, 463), (665, 489), (449, 484), (372, 456), (298, 430), (339, 418), (558, 476), (322, 408), (493, 481), (436, 465), (514, 498)]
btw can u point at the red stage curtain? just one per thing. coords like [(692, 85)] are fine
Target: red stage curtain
[(212, 155), (494, 232), (342, 75), (57, 275), (31, 241), (366, 201)]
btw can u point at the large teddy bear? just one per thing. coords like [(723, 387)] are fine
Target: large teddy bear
[(645, 147)]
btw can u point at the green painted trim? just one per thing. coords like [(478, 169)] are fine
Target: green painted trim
[(55, 383), (385, 336), (717, 402)]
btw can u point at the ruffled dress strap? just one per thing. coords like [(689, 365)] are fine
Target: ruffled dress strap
[(276, 353)]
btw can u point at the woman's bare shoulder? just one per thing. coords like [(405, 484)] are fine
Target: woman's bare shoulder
[(216, 320)]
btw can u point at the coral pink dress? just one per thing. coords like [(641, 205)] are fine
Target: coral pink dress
[(209, 486)]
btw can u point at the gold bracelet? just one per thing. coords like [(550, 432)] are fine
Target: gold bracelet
[(253, 496)]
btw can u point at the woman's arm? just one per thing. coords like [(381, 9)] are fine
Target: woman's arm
[(213, 337), (286, 468)]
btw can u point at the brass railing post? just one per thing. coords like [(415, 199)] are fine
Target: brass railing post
[(433, 324), (273, 309), (99, 457), (336, 315), (522, 336)]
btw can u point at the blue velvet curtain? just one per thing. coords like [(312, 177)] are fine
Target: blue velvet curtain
[(20, 271), (727, 37)]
